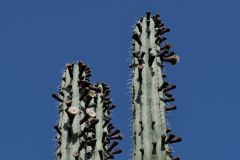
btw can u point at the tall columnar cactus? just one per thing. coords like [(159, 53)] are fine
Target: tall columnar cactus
[(150, 91), (84, 130)]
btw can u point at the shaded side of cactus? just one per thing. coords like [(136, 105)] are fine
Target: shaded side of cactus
[(84, 129), (150, 92)]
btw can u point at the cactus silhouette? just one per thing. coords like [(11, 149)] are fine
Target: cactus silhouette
[(84, 130), (150, 92)]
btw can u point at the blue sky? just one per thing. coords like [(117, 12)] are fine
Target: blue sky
[(37, 38)]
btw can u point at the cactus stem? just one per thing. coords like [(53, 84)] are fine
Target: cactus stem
[(151, 59), (73, 110), (83, 83), (164, 30), (163, 53), (64, 79), (59, 154), (161, 29), (112, 107), (57, 97), (148, 30), (140, 68), (169, 87), (139, 27), (88, 99), (76, 155), (160, 39), (100, 152), (153, 125), (115, 143), (163, 139), (135, 36), (118, 137), (170, 108), (82, 145), (93, 122), (110, 156), (117, 151), (85, 92), (167, 99), (168, 129), (168, 95), (68, 102), (154, 147), (174, 59), (136, 54), (104, 136), (85, 118), (106, 123), (163, 86), (116, 131), (70, 69), (148, 13), (142, 151), (57, 129), (110, 127), (173, 139), (69, 129), (166, 46), (176, 158)]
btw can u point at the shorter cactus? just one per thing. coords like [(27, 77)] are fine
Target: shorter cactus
[(84, 130)]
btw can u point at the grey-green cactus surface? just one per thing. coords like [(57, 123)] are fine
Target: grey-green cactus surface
[(150, 92), (84, 129)]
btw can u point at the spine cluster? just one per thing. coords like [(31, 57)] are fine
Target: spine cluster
[(84, 130), (150, 92)]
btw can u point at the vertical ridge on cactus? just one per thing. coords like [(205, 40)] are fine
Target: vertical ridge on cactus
[(84, 130), (150, 92)]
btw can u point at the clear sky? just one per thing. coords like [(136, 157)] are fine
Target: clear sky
[(37, 38)]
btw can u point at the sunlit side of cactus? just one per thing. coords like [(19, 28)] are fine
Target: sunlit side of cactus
[(84, 129), (150, 92)]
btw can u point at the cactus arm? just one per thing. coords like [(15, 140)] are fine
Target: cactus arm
[(149, 101), (84, 130)]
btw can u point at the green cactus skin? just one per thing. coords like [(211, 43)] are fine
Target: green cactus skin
[(150, 91), (84, 131)]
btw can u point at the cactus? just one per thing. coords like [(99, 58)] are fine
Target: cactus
[(84, 130), (150, 92)]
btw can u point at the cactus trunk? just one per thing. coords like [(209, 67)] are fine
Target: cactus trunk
[(150, 91), (84, 131)]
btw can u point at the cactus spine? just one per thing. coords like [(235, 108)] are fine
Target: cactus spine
[(84, 131), (150, 92)]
